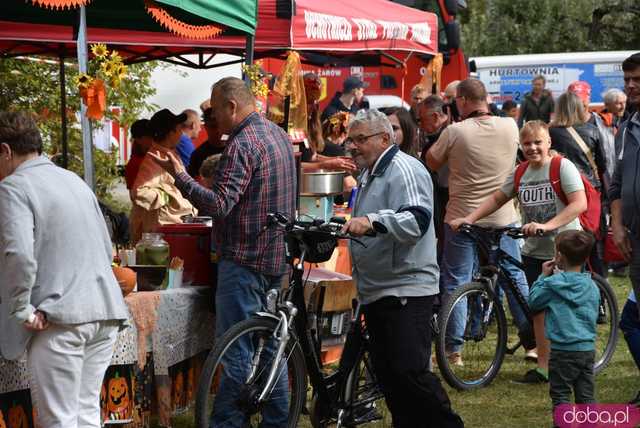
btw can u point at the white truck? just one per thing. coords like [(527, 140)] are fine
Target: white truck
[(508, 77)]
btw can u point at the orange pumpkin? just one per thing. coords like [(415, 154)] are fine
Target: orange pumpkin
[(18, 417), (2, 422), (118, 398), (178, 390), (126, 279)]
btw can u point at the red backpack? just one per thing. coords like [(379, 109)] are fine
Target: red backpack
[(590, 219)]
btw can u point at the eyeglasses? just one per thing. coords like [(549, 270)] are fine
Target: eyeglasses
[(361, 139)]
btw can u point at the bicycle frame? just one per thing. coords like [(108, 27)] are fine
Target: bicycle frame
[(492, 268)]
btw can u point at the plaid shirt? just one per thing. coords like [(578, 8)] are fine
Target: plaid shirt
[(256, 176)]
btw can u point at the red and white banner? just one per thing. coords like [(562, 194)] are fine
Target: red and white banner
[(333, 25)]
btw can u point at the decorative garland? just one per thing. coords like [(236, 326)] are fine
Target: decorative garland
[(178, 27), (60, 4)]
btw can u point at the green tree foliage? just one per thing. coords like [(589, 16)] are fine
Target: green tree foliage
[(34, 85), (511, 27)]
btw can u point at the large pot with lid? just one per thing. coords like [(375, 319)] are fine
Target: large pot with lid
[(321, 183)]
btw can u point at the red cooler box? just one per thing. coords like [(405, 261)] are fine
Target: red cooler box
[(192, 243)]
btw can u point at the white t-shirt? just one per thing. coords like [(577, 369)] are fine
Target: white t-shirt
[(539, 203)]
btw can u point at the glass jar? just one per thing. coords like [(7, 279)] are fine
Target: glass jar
[(152, 250)]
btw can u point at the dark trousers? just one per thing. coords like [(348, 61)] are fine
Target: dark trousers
[(400, 335), (630, 326), (571, 371)]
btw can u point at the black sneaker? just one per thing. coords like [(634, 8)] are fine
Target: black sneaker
[(533, 376), (636, 400)]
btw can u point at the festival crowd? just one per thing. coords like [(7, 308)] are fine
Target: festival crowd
[(565, 174)]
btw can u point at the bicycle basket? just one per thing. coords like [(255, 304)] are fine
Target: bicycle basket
[(319, 246)]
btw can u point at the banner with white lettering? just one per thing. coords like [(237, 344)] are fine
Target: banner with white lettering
[(373, 25)]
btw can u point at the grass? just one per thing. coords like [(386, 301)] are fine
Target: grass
[(506, 404)]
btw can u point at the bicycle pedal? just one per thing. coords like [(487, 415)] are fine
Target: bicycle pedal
[(366, 415)]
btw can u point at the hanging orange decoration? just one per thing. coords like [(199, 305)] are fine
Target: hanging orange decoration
[(60, 4), (179, 27), (94, 97)]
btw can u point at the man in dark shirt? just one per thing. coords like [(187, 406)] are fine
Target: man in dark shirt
[(347, 100), (256, 176), (537, 104), (213, 146)]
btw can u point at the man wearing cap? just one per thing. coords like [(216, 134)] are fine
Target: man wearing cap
[(156, 199), (352, 93)]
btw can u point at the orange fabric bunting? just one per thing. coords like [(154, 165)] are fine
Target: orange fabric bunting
[(178, 27), (60, 4), (95, 98)]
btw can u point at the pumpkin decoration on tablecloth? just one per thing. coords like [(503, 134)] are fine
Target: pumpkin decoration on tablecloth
[(3, 424), (191, 383), (104, 413), (126, 279), (118, 398), (18, 417), (178, 390)]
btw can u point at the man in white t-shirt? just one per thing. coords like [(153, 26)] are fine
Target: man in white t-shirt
[(480, 152)]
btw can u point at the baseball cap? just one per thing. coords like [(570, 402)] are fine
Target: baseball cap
[(351, 83), (164, 121), (581, 89)]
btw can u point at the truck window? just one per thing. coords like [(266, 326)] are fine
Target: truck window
[(387, 81)]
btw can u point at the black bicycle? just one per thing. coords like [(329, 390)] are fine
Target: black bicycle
[(485, 334), (277, 349)]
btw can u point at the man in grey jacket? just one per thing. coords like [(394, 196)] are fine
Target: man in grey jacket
[(59, 300), (624, 193), (397, 274)]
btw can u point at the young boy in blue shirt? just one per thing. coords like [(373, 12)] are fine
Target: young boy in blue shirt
[(570, 300)]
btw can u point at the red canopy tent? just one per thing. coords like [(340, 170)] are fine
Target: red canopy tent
[(330, 26)]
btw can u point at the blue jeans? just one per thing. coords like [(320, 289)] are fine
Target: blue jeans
[(459, 263), (241, 292), (630, 326)]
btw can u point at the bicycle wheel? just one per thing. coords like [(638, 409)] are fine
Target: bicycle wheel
[(484, 339), (607, 326), (248, 351)]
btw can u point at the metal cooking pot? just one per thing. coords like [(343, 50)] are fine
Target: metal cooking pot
[(322, 182)]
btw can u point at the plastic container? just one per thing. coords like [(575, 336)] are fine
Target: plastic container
[(192, 243)]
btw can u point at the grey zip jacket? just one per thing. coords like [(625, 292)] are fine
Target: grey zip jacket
[(399, 194), (626, 176)]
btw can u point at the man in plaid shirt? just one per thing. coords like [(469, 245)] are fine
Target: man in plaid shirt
[(256, 176)]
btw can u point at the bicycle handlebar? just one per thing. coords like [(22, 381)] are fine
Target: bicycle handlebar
[(512, 232), (333, 227)]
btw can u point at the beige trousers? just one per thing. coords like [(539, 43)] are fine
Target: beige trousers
[(66, 366)]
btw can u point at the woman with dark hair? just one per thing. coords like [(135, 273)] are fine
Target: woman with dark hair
[(141, 141), (404, 129), (156, 199)]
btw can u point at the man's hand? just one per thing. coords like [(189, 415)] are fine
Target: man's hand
[(531, 229), (621, 239), (170, 163), (357, 226), (38, 323), (548, 267), (456, 223)]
